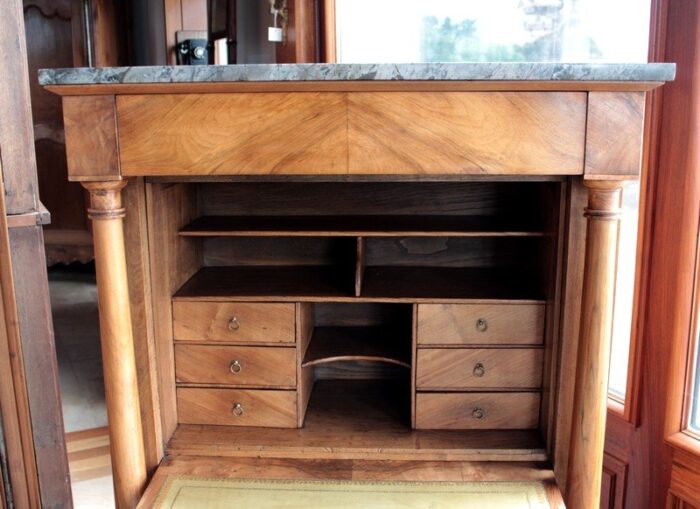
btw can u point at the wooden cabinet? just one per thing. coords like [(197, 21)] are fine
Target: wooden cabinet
[(361, 269)]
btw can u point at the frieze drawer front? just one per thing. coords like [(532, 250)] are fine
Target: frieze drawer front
[(353, 132), (236, 322), (478, 324), (261, 366), (477, 410), (467, 368), (237, 407)]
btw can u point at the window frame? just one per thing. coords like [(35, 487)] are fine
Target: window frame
[(691, 352)]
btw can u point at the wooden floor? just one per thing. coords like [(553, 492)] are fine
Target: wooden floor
[(88, 454), (352, 420), (357, 470)]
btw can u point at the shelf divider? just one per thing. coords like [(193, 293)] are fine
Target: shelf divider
[(360, 262)]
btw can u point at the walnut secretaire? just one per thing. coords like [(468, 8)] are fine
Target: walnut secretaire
[(357, 262)]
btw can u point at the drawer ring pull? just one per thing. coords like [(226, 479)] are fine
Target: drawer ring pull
[(235, 367), (482, 325), (233, 324), (237, 409), (479, 370), (478, 413)]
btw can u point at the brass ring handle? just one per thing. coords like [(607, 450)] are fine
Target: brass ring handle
[(235, 367), (482, 325), (237, 409), (233, 324), (479, 370), (478, 413)]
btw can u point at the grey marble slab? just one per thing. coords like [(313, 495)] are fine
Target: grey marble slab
[(360, 72)]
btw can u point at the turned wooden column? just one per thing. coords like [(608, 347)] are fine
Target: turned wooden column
[(121, 386), (593, 361)]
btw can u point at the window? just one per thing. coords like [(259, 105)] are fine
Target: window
[(624, 292), (399, 31), (694, 415)]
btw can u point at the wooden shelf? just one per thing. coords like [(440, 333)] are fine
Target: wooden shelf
[(286, 282), (361, 226), (362, 420), (372, 344), (307, 283)]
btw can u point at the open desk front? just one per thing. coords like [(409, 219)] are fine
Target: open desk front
[(326, 264)]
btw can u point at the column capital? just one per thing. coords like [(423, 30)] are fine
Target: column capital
[(105, 199), (604, 199)]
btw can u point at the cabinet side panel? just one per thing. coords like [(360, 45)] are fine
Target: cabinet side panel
[(139, 274), (614, 131), (173, 260), (575, 242), (91, 145)]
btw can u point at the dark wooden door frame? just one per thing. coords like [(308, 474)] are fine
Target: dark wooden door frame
[(29, 282)]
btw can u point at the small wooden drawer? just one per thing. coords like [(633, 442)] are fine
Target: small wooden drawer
[(234, 322), (263, 366), (467, 368), (463, 324), (237, 407), (477, 410)]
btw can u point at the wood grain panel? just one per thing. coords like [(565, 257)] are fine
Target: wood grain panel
[(573, 257), (685, 473), (451, 324), (462, 410), (267, 409), (140, 298), (614, 130), (447, 368), (91, 147), (255, 322), (256, 366), (614, 482), (231, 134), (172, 260), (466, 133)]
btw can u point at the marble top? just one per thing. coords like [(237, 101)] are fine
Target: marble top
[(656, 72)]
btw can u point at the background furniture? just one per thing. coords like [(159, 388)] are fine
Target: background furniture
[(422, 226), (66, 33), (33, 454)]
